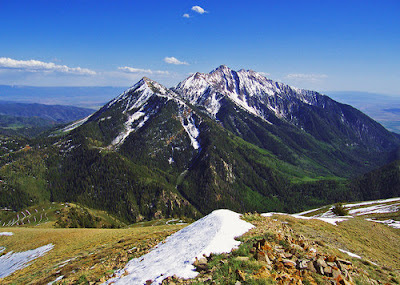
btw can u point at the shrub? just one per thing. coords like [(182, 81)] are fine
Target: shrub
[(339, 210)]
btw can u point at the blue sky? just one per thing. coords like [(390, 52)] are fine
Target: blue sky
[(319, 45)]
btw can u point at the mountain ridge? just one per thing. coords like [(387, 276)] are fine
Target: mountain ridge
[(151, 153)]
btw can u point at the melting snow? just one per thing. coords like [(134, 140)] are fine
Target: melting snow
[(376, 209), (59, 278), (332, 221), (357, 209), (213, 233), (350, 253), (6, 234), (390, 223), (11, 262), (373, 202)]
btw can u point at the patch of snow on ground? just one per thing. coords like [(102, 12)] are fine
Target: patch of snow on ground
[(56, 280), (6, 234), (373, 202), (332, 221), (376, 209), (390, 223), (309, 211), (11, 262), (213, 233), (350, 253)]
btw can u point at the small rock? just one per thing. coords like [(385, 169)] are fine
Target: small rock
[(331, 264), (289, 263), (328, 271), (336, 273), (344, 261), (296, 247), (302, 264), (200, 264), (321, 262), (331, 258), (310, 266), (287, 255), (261, 256), (240, 274)]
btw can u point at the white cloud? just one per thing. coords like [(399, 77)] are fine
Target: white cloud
[(198, 9), (40, 66), (306, 77), (174, 60), (265, 74), (128, 69), (186, 15)]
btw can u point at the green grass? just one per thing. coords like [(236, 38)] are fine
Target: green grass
[(93, 253)]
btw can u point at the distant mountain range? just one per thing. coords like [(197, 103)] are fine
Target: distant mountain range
[(87, 97), (227, 139), (32, 119)]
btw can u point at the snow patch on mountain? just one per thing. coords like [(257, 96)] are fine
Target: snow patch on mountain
[(129, 128), (246, 88), (215, 233), (76, 124), (190, 128)]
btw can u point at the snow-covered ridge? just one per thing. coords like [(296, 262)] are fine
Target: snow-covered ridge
[(248, 89), (213, 233), (137, 95), (134, 104), (75, 124)]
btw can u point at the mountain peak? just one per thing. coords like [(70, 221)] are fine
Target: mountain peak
[(222, 68)]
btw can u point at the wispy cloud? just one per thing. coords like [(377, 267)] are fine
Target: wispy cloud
[(264, 73), (198, 9), (186, 15), (174, 60), (306, 77), (40, 66), (128, 69)]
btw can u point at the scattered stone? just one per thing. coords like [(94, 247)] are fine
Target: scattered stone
[(321, 262), (311, 267), (241, 275), (201, 264), (289, 263), (302, 264), (336, 273), (328, 271)]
